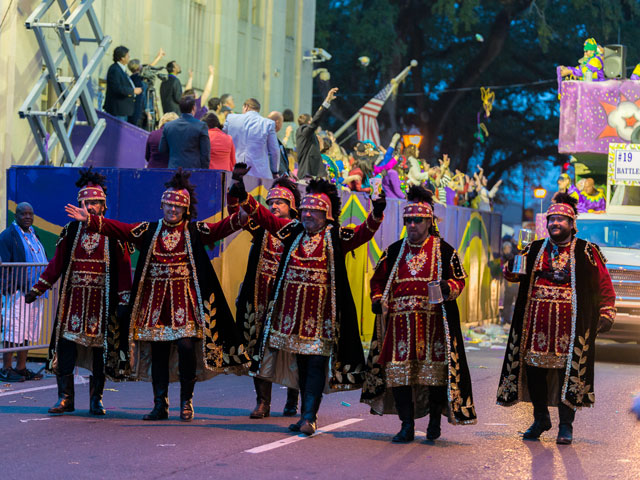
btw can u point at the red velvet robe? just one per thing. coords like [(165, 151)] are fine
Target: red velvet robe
[(166, 307), (414, 347), (84, 297)]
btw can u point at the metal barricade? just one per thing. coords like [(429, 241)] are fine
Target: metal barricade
[(22, 326)]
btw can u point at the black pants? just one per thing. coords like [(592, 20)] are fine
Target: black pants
[(312, 374), (403, 398), (160, 352), (537, 379), (67, 354)]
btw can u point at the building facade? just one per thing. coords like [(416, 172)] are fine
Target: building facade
[(256, 47)]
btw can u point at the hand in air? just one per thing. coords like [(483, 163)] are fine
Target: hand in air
[(77, 213)]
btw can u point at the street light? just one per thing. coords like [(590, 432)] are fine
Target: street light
[(412, 139), (541, 193)]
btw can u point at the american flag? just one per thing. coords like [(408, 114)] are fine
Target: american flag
[(367, 121)]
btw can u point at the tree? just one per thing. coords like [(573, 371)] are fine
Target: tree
[(524, 40)]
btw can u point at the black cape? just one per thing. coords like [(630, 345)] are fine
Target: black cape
[(246, 324), (461, 409), (221, 349), (116, 346), (346, 363), (577, 390)]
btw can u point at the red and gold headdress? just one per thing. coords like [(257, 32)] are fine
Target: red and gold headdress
[(417, 209), (561, 209), (317, 201), (282, 193), (181, 197), (91, 191)]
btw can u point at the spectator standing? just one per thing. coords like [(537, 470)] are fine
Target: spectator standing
[(223, 152), (309, 158), (288, 135), (171, 89), (155, 158), (186, 139), (227, 101), (139, 109), (201, 101), (278, 119), (21, 323), (255, 139), (119, 97)]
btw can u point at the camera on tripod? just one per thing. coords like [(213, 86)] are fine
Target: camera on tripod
[(149, 74)]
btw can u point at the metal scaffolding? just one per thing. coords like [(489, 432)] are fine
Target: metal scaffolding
[(68, 89)]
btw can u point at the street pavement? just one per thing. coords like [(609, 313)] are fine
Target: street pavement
[(222, 442)]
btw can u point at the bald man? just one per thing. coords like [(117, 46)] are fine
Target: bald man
[(278, 119), (21, 323)]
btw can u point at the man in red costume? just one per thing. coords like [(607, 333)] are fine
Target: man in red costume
[(565, 299), (311, 328), (177, 304), (90, 328), (417, 361), (284, 201)]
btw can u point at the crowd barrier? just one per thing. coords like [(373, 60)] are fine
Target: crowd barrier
[(22, 326), (134, 195)]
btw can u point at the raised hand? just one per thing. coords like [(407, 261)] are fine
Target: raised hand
[(331, 96), (79, 214), (211, 70), (239, 171)]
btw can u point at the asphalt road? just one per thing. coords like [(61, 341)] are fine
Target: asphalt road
[(222, 442)]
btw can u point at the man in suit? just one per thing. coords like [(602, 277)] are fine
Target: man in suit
[(186, 139), (171, 89), (309, 157), (255, 139), (119, 99), (20, 323), (278, 119)]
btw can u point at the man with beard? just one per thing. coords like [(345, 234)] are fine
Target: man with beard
[(565, 299), (311, 328), (283, 200), (417, 363), (177, 306), (90, 329)]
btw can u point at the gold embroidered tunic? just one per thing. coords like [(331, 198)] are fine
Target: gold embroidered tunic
[(84, 297), (414, 347)]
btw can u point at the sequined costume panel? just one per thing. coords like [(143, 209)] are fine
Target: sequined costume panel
[(303, 322), (83, 310), (266, 272), (548, 317), (168, 307), (414, 347)]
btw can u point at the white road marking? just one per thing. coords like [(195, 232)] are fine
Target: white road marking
[(77, 380), (302, 436), (26, 390), (25, 420)]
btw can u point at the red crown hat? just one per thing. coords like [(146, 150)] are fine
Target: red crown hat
[(317, 201), (561, 209), (91, 191), (418, 209), (282, 193), (181, 198)]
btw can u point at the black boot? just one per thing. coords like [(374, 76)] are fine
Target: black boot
[(160, 402), (541, 423), (435, 417), (263, 399), (291, 407), (309, 417), (565, 430), (65, 401), (403, 397), (96, 387), (186, 399)]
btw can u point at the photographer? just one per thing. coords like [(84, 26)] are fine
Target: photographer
[(140, 80)]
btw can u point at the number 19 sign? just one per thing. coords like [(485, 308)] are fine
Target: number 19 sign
[(624, 164)]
